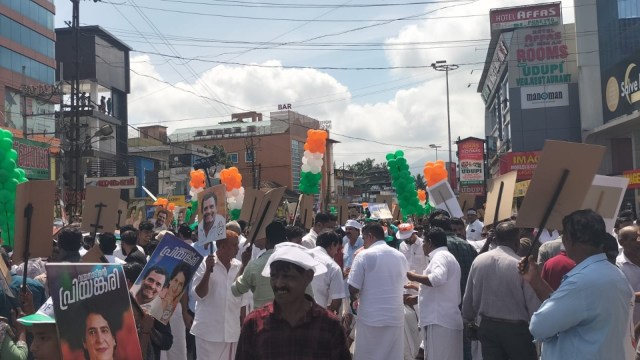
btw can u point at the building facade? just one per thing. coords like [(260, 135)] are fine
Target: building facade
[(27, 83), (263, 150), (609, 54), (529, 83)]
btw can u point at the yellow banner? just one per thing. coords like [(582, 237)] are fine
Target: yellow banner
[(521, 188)]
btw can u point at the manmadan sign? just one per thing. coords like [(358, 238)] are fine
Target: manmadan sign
[(546, 96), (123, 182)]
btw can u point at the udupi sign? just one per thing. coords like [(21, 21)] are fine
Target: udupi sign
[(123, 182)]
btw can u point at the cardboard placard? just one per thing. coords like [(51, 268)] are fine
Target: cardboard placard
[(94, 255), (123, 211), (252, 199), (216, 217), (397, 215), (5, 279), (506, 201), (466, 201), (605, 197), (267, 210), (385, 199), (167, 222), (581, 161), (343, 212), (442, 196), (106, 198), (380, 211), (86, 297), (41, 195), (305, 211)]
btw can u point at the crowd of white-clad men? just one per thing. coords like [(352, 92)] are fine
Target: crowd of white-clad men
[(444, 288)]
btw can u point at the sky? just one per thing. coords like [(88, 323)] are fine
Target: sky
[(364, 65)]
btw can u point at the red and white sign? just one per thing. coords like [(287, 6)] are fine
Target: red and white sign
[(525, 16), (124, 182), (471, 159), (525, 163), (634, 178)]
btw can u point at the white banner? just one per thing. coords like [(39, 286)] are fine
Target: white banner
[(534, 97), (123, 182)]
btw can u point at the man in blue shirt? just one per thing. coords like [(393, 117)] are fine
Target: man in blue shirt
[(588, 316)]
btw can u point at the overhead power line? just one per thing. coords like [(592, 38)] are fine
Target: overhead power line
[(250, 4)]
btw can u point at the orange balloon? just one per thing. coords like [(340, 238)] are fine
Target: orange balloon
[(171, 206), (422, 195)]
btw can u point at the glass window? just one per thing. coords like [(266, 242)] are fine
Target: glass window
[(32, 11), (13, 61), (628, 9), (233, 157), (248, 156), (26, 37)]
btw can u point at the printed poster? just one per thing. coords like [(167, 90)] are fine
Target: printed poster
[(166, 277), (93, 312), (212, 212)]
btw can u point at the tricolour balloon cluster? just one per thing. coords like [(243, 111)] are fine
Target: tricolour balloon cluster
[(165, 204), (10, 177), (434, 172), (232, 179), (197, 182), (404, 184), (422, 196), (312, 162)]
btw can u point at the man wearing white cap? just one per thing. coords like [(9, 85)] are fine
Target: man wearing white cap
[(293, 326), (351, 243), (377, 278), (328, 288), (474, 226), (45, 345), (411, 248)]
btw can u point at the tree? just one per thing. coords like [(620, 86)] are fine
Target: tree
[(361, 167), (420, 183)]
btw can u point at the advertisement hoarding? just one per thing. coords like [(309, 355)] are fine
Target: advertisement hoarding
[(524, 163), (525, 16), (121, 182), (634, 178), (546, 96), (33, 158), (471, 159)]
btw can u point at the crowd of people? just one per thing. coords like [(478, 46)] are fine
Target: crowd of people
[(436, 288)]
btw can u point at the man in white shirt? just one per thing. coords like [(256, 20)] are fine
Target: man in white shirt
[(376, 279), (439, 299), (321, 222), (216, 325), (474, 226), (411, 248), (107, 244), (328, 288), (351, 242)]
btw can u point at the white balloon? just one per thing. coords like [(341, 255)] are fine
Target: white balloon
[(307, 153), (318, 155), (241, 191), (305, 168), (235, 192), (315, 169), (306, 160)]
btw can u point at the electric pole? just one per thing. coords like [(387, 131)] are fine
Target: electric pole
[(250, 145)]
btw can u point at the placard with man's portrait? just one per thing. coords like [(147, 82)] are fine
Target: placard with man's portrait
[(212, 214)]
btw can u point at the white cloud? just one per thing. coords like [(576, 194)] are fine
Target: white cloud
[(412, 117)]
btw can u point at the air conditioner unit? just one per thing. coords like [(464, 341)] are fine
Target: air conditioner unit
[(209, 132), (237, 129), (219, 131), (199, 133), (251, 128), (227, 130)]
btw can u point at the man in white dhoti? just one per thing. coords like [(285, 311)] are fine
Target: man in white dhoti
[(216, 325), (376, 280), (439, 298)]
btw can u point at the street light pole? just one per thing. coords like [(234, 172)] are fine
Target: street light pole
[(436, 147), (441, 65)]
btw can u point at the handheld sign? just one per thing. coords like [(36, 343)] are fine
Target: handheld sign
[(265, 213), (385, 199), (443, 197), (605, 197), (380, 211), (466, 202), (94, 255), (41, 196), (100, 210), (343, 211), (173, 261), (93, 298), (559, 185), (500, 198), (212, 212), (252, 198), (305, 211)]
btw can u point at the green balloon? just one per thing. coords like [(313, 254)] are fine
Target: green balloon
[(399, 153), (390, 156), (6, 145), (22, 173), (13, 155), (8, 165), (11, 184), (6, 196), (5, 134)]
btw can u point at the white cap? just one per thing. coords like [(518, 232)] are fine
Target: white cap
[(405, 231), (295, 254), (353, 223)]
